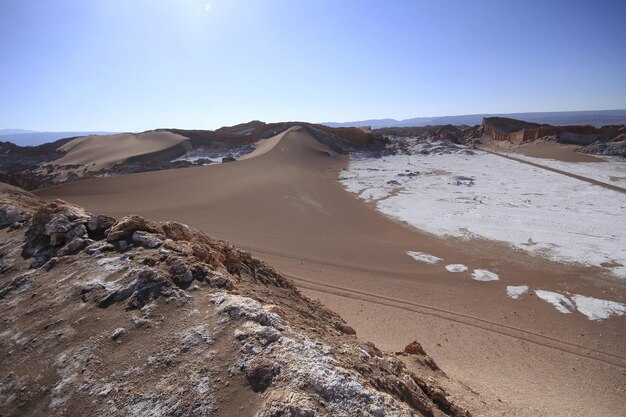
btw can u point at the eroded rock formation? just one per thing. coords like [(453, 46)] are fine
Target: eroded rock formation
[(517, 131)]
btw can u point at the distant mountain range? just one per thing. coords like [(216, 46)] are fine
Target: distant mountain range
[(591, 117), (32, 138)]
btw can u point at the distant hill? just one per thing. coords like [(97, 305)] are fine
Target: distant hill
[(33, 138), (14, 131), (591, 117)]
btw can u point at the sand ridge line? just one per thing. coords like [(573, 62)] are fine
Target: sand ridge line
[(570, 348), (263, 146)]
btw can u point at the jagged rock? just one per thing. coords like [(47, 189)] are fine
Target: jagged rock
[(145, 287), (177, 231), (75, 245), (180, 272), (52, 226), (414, 348), (97, 248), (98, 224), (126, 226), (147, 240), (117, 333), (217, 280)]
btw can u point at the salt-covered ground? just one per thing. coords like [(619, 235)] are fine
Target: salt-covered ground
[(423, 257), (456, 268), (448, 190), (484, 275), (214, 156), (593, 308), (612, 171), (559, 301), (516, 291)]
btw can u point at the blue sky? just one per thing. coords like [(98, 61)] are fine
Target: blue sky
[(131, 65)]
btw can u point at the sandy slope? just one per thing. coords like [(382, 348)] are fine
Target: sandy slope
[(287, 206), (540, 149), (265, 145), (99, 152)]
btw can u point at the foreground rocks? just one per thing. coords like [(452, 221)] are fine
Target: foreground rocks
[(109, 317)]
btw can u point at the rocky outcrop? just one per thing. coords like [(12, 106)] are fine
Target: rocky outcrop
[(448, 133), (616, 147), (605, 140), (517, 131), (128, 316)]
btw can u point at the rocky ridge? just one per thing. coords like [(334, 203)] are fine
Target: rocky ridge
[(607, 140), (108, 317)]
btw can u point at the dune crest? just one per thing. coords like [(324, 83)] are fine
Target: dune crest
[(98, 152)]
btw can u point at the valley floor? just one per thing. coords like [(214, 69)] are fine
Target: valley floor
[(523, 356)]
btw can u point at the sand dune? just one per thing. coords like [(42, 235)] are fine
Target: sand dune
[(99, 152), (265, 145), (286, 205)]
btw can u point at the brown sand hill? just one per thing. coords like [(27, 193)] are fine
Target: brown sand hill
[(98, 152), (287, 207)]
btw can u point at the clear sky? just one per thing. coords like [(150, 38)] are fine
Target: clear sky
[(131, 65)]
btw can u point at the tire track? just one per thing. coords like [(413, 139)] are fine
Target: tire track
[(483, 324)]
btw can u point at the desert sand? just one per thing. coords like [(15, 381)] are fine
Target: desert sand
[(101, 152), (286, 206), (540, 149)]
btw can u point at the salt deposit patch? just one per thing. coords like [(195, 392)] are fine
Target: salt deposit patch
[(516, 291), (424, 257), (612, 171), (456, 267), (597, 309), (530, 208), (484, 275), (559, 301)]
